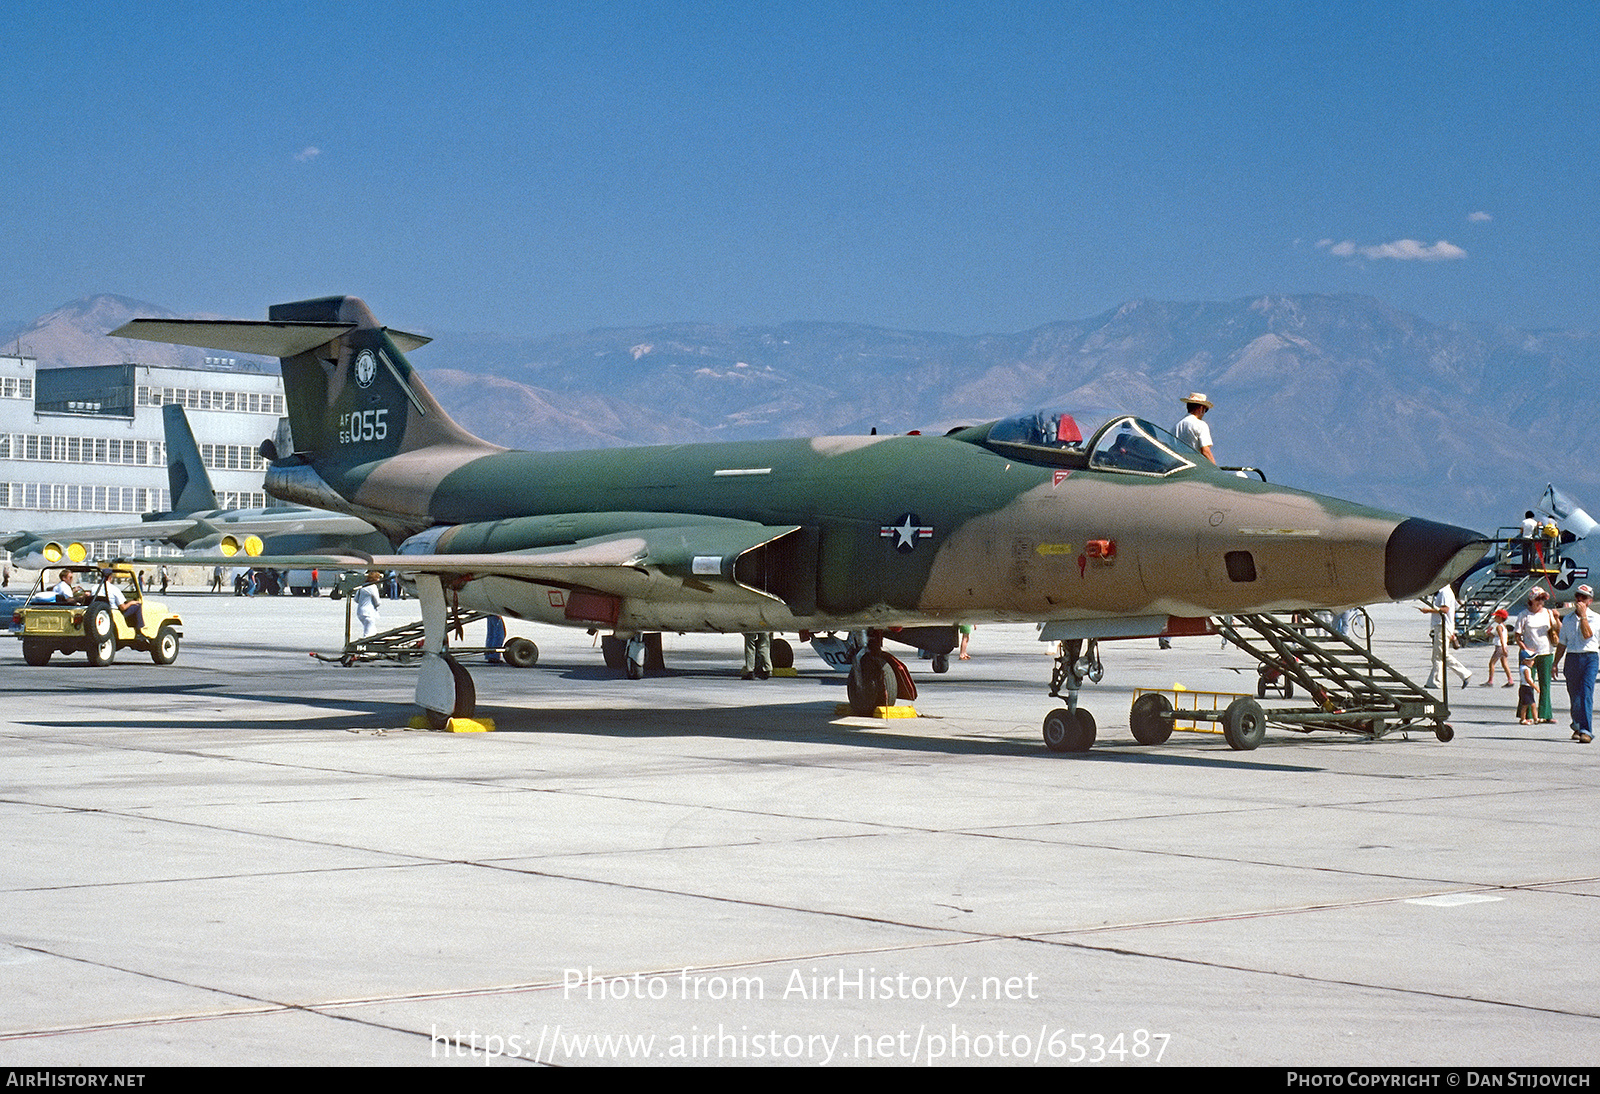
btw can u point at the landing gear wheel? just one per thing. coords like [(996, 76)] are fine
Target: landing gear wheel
[(636, 652), (165, 649), (941, 662), (521, 653), (871, 684), (782, 654), (102, 635), (1069, 731), (1445, 733), (1151, 719), (1244, 724), (1283, 684), (614, 650), (36, 653)]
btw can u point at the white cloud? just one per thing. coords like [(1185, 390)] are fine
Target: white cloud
[(309, 152), (1405, 250), (1479, 217)]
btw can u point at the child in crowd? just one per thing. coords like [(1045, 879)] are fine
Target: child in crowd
[(1528, 693)]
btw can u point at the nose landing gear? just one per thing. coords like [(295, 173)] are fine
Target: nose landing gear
[(1071, 728)]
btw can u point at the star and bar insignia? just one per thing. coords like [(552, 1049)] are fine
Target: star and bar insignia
[(905, 532)]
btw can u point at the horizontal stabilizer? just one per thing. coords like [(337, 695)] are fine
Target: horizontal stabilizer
[(264, 339)]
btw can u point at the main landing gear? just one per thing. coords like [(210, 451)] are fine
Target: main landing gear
[(877, 679), (444, 689), (1071, 728)]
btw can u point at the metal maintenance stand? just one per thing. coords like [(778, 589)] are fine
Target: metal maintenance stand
[(1509, 584), (404, 644), (1353, 691)]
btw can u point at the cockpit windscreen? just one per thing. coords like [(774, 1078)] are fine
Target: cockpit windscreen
[(1133, 444), (1048, 429), (1126, 444)]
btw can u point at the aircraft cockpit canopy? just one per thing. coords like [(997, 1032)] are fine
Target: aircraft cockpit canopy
[(1044, 436), (1125, 444), (1133, 444)]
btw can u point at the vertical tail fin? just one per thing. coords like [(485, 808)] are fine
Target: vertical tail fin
[(352, 396), (187, 478), (355, 398)]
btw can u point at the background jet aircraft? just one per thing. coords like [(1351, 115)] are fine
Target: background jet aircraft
[(195, 522), (1504, 579), (1018, 520)]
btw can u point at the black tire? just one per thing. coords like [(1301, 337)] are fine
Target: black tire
[(871, 684), (521, 653), (1151, 719), (782, 654), (1283, 685), (1065, 733), (100, 634), (36, 653), (614, 650), (941, 662), (1445, 733), (164, 651), (1244, 724)]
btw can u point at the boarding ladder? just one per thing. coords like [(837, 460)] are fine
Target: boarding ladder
[(1352, 690), (1508, 586)]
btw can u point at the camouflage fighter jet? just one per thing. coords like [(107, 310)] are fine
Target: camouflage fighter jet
[(1019, 520)]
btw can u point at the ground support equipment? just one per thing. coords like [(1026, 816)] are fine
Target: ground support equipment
[(404, 644), (1508, 586), (1353, 691)]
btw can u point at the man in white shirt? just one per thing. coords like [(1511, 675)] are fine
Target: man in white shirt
[(65, 592), (1580, 638), (1443, 611), (1193, 430), (132, 610)]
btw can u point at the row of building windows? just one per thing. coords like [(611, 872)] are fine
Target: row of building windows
[(231, 457), (16, 387), (244, 402), (50, 448), (73, 498)]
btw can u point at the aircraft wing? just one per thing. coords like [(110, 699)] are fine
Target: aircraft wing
[(266, 522), (625, 563), (25, 545)]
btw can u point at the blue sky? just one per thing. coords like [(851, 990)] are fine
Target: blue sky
[(533, 168)]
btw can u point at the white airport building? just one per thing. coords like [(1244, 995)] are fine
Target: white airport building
[(83, 446)]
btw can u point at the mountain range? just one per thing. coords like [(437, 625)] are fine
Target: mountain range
[(1343, 395)]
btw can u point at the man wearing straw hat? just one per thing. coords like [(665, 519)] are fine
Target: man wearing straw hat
[(1193, 430)]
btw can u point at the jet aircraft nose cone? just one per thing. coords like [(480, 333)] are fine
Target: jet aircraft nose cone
[(1424, 554)]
